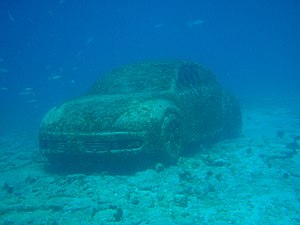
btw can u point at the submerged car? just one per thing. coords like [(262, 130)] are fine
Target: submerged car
[(144, 109)]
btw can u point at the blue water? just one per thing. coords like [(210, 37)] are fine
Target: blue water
[(54, 50), (59, 48)]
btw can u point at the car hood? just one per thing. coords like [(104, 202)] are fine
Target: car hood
[(105, 113)]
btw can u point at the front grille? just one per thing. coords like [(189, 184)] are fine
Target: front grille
[(119, 145), (90, 143)]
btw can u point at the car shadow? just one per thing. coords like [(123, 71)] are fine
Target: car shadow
[(93, 165)]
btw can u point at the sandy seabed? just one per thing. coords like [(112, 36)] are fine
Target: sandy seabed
[(254, 179)]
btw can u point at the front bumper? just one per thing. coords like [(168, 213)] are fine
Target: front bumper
[(96, 143)]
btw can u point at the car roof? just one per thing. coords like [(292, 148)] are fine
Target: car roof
[(154, 76)]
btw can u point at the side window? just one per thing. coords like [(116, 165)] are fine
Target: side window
[(192, 75)]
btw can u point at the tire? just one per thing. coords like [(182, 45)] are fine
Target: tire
[(172, 138)]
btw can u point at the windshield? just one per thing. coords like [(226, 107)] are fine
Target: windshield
[(143, 77)]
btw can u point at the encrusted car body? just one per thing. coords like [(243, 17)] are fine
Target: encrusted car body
[(152, 108)]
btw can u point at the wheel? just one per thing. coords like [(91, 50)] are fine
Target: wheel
[(172, 138)]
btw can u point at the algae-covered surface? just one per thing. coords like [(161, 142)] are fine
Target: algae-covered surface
[(182, 104), (254, 179)]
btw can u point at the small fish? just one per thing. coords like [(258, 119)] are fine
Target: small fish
[(55, 77), (79, 53), (30, 21), (72, 81), (4, 88), (10, 16), (159, 25), (50, 13), (3, 70), (1, 60), (195, 23), (26, 93), (31, 100), (89, 40)]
